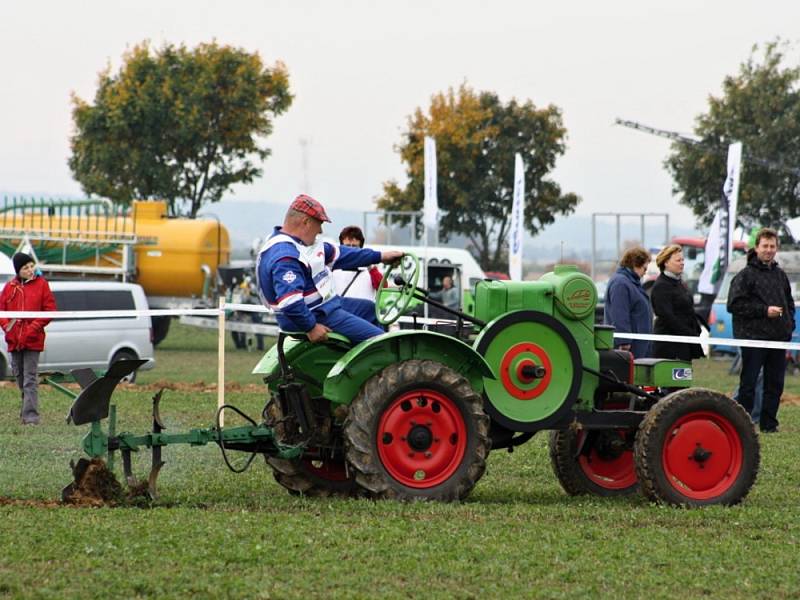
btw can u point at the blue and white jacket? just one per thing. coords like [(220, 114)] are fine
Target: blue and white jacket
[(295, 280)]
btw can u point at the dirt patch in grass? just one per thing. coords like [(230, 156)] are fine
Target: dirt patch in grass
[(790, 399), (197, 386), (30, 503), (181, 386)]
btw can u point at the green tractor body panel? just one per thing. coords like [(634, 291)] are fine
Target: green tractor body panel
[(468, 302), (575, 299), (496, 298), (359, 364), (662, 372), (312, 360)]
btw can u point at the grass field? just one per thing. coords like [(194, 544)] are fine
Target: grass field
[(216, 534)]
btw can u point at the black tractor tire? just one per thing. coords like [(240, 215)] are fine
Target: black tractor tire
[(125, 355), (160, 329), (417, 431), (601, 469), (317, 479), (697, 447)]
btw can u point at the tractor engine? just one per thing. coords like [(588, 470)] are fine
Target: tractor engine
[(538, 337)]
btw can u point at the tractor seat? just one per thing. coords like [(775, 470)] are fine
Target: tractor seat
[(334, 339)]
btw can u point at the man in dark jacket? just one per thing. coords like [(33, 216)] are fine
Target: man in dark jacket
[(760, 300)]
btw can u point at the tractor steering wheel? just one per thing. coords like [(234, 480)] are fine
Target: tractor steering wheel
[(391, 302)]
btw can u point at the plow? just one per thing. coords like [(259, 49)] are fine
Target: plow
[(414, 414)]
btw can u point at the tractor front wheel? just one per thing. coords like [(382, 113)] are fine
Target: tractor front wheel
[(594, 462), (696, 447), (417, 431)]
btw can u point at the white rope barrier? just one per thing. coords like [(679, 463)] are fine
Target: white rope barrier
[(255, 308), (685, 339)]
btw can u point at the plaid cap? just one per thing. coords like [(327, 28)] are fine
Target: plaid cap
[(307, 205)]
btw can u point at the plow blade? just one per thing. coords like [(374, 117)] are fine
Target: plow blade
[(95, 397)]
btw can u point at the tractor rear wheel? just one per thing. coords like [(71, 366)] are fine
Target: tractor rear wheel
[(696, 447), (417, 431), (603, 467), (314, 476)]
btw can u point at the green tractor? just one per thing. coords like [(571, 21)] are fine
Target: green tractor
[(413, 414)]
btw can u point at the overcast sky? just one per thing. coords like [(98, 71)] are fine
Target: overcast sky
[(359, 68)]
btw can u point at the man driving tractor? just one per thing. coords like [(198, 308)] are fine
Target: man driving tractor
[(294, 277)]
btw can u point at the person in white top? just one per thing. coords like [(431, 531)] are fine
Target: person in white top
[(359, 283)]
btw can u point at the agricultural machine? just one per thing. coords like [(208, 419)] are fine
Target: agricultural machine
[(413, 414)]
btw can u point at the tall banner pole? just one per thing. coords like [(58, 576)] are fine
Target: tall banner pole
[(731, 191), (719, 245), (430, 213), (430, 216), (517, 216)]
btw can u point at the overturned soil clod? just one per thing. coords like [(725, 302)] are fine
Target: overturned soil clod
[(94, 485)]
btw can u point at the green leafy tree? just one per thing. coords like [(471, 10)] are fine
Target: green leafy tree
[(476, 139), (177, 124), (760, 107)]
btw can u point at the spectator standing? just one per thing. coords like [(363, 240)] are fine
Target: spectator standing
[(448, 295), (627, 306), (760, 300), (25, 337), (673, 307), (358, 283)]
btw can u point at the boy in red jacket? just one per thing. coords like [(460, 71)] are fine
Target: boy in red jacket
[(25, 337)]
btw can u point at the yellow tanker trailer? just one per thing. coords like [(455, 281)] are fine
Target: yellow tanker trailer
[(175, 260)]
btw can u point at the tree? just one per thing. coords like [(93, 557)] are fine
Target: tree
[(476, 139), (177, 124), (760, 107)]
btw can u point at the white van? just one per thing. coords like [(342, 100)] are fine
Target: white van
[(471, 272), (93, 343)]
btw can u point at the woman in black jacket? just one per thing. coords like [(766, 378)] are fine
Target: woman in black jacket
[(673, 307)]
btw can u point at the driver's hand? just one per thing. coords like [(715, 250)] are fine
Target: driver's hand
[(318, 333), (391, 256)]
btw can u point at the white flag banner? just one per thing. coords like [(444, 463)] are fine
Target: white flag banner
[(430, 216), (711, 266), (517, 217), (719, 245), (731, 191)]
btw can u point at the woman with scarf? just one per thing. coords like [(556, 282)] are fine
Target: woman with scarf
[(627, 306), (673, 307)]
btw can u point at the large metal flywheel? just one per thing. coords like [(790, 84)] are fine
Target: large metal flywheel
[(537, 367)]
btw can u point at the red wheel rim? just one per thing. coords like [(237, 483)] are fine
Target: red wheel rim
[(702, 455), (421, 438), (609, 472)]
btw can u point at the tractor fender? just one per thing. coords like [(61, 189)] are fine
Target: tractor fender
[(347, 376), (311, 361)]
